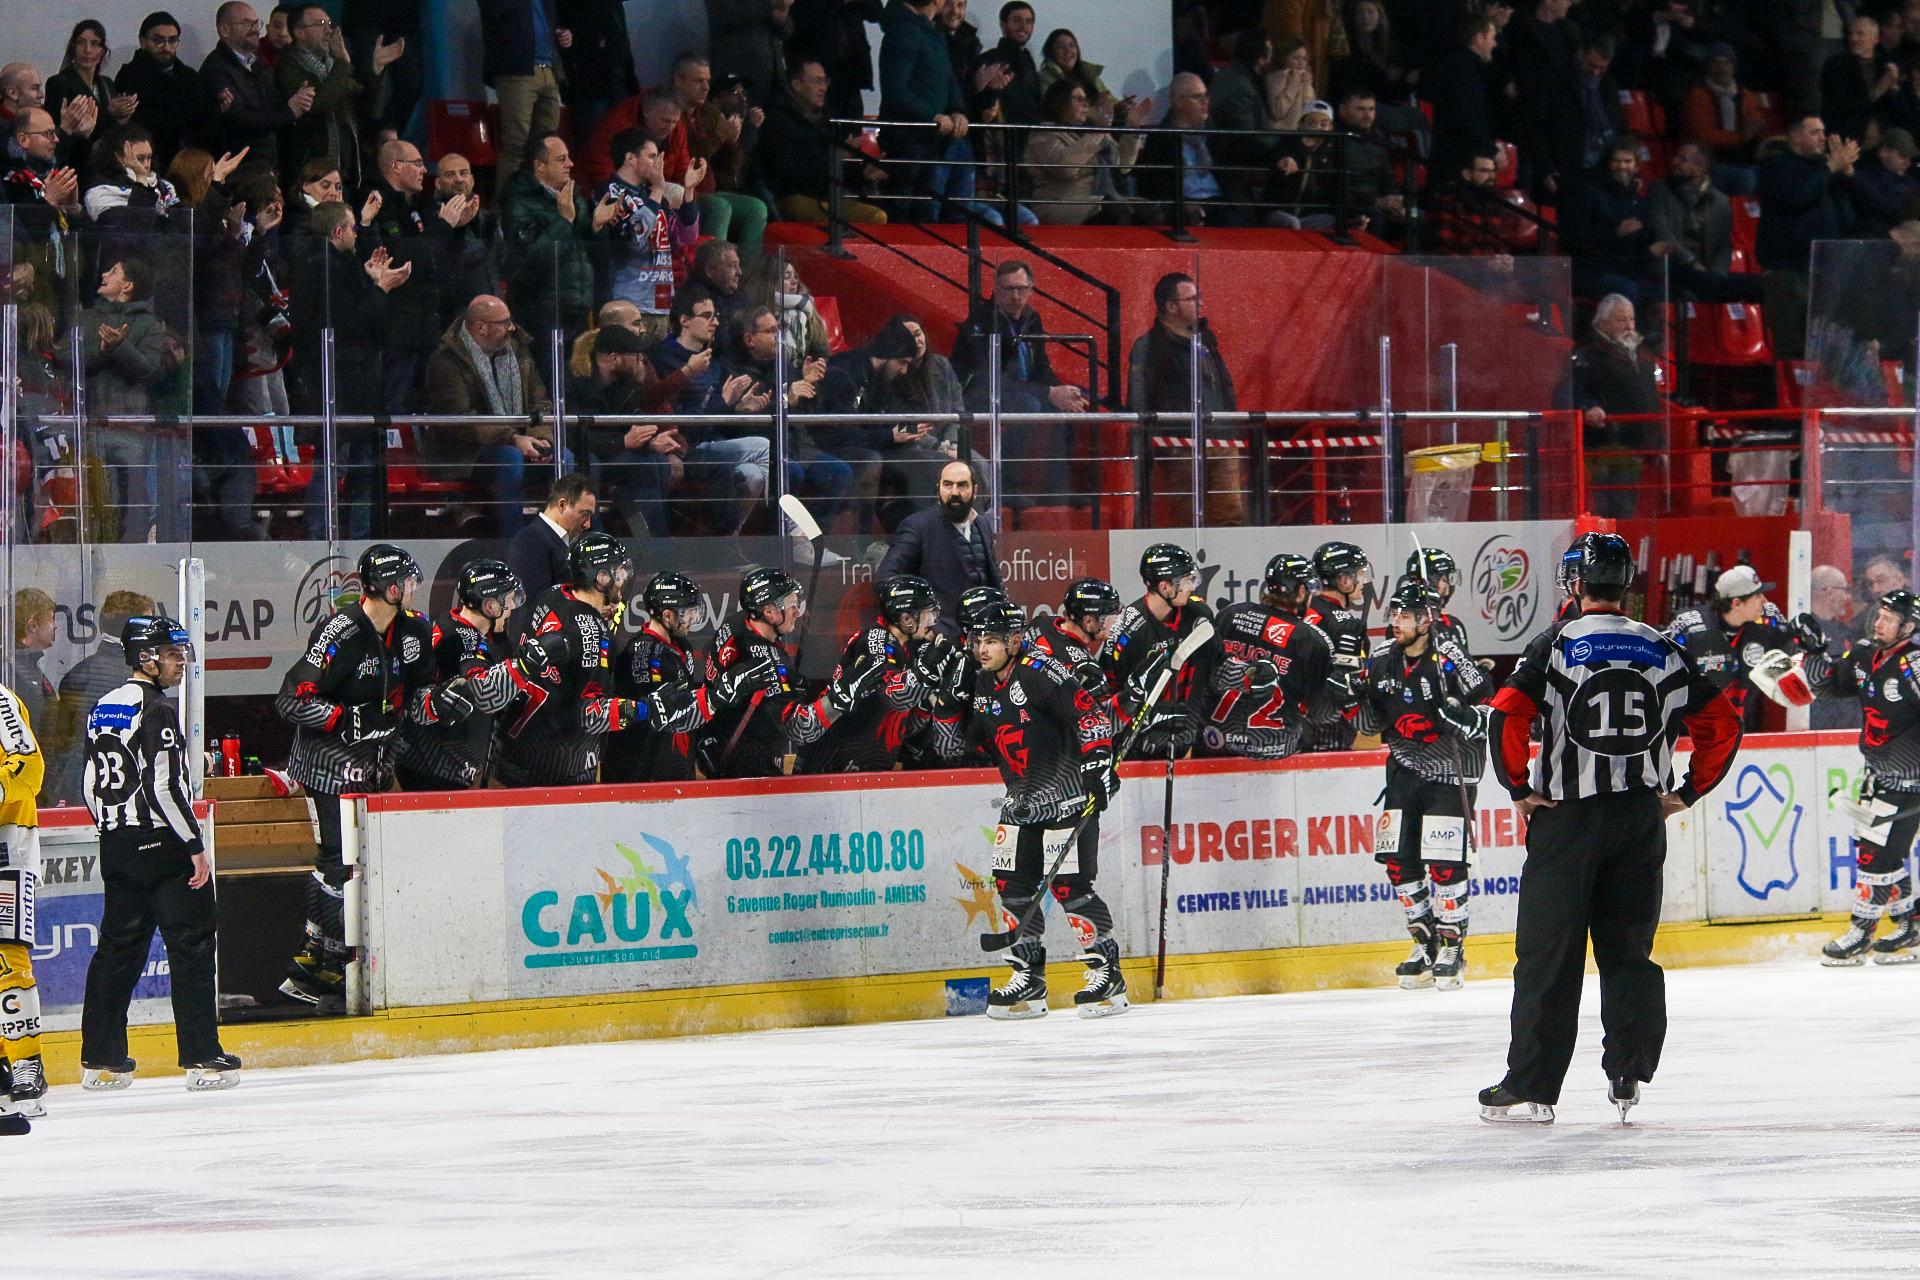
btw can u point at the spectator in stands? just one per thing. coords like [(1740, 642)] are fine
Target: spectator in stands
[(635, 463), (264, 342), (413, 229), (834, 33), (1901, 110), (656, 223), (317, 183), (747, 39), (334, 289), (470, 262), (1076, 176), (732, 464), (917, 86), (1237, 100), (483, 367), (1609, 380), (1370, 180), (538, 553), (1061, 60), (721, 138), (1688, 213), (1469, 217), (1832, 602), (126, 189), (252, 111), (365, 25), (1726, 117), (21, 88), (695, 323), (171, 100), (83, 74), (1805, 195), (1854, 80), (331, 127), (521, 62), (656, 112), (775, 283), (821, 477), (1302, 191), (81, 688), (1541, 93), (1316, 23), (278, 37), (33, 632), (1460, 85), (1289, 85), (978, 78), (899, 458), (1028, 383), (596, 52), (716, 266), (1160, 380), (1884, 186), (1600, 114), (929, 386), (39, 189), (1609, 234), (1373, 61), (125, 351), (947, 544), (1155, 172), (1020, 98), (552, 234), (799, 150)]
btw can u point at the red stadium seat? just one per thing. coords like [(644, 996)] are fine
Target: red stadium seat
[(829, 309), (1509, 157), (1746, 226), (1636, 110), (1733, 333), (464, 126)]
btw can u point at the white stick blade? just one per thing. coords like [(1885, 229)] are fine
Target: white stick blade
[(803, 520), (1195, 640)]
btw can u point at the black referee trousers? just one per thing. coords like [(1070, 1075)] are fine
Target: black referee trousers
[(145, 874), (1593, 868)]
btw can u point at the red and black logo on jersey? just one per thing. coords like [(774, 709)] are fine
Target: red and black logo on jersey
[(1010, 742), (1277, 632)]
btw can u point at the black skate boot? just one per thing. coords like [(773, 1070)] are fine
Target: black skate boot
[(1024, 994), (1498, 1106), (29, 1089), (315, 979), (1850, 948), (1106, 991), (1416, 971), (1902, 946), (1449, 962), (12, 1123), (106, 1077), (1624, 1094), (221, 1071)]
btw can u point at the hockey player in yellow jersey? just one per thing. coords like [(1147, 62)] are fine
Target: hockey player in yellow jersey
[(23, 1081)]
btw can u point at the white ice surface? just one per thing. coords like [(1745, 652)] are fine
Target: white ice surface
[(1319, 1134)]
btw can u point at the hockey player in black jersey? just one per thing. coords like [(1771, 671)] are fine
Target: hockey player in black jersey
[(661, 654), (775, 719), (1074, 636), (949, 675), (1154, 624), (1738, 630), (1053, 744), (1265, 679), (1439, 570), (870, 734), (469, 646), (1882, 670), (1422, 697), (1339, 609), (367, 669)]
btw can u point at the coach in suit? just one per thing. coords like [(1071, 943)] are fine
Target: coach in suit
[(538, 553), (947, 544)]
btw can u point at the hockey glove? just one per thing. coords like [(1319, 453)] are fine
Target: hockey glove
[(1262, 677), (736, 686), (934, 661), (1169, 727), (1805, 630), (672, 707), (536, 663), (1098, 777), (368, 722), (850, 688), (1463, 723), (451, 702)]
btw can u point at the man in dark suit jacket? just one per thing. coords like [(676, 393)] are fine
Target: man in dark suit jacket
[(538, 553), (251, 108), (947, 544)]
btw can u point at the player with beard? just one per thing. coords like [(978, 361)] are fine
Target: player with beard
[(1339, 609), (1439, 570), (869, 735), (1074, 636), (470, 645)]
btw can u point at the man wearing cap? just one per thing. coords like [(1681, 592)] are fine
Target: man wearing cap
[(1883, 185), (1737, 628), (633, 461), (1727, 118)]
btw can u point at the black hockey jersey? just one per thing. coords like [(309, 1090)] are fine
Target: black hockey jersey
[(1725, 657), (1050, 637), (655, 751), (1346, 630), (1265, 723), (460, 755), (1138, 638), (871, 734), (1425, 711), (1888, 686), (348, 695), (780, 717), (557, 734), (1041, 729), (1450, 628)]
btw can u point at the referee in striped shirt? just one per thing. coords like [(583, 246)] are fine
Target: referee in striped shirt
[(1612, 696)]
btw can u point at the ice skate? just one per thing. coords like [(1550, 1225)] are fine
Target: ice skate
[(221, 1071), (13, 1124), (1416, 971), (107, 1077), (29, 1089), (1497, 1106), (1105, 993), (1624, 1094), (1448, 962), (312, 980), (1024, 994), (1902, 946), (1850, 948)]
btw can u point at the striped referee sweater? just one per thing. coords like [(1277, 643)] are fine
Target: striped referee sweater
[(136, 776)]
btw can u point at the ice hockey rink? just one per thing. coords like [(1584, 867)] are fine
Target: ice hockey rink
[(1330, 1133)]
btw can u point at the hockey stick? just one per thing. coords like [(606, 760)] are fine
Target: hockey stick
[(1166, 866), (1202, 632), (1854, 811)]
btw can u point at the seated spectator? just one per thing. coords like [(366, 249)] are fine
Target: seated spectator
[(1061, 60), (799, 151), (1460, 85), (483, 367), (1305, 176), (657, 223), (83, 74), (635, 464), (331, 126), (1470, 219), (731, 464), (21, 89), (917, 86), (716, 267), (127, 181), (1726, 118), (929, 386), (719, 136), (817, 475), (856, 381), (597, 58), (1687, 212), (170, 99), (1884, 186), (775, 283), (1608, 234), (1076, 175), (1238, 101), (1289, 85), (1160, 380), (1609, 379), (747, 40), (1373, 62), (538, 552), (471, 262), (39, 189), (615, 311), (947, 544), (1370, 165), (251, 109), (1855, 79), (552, 233), (1155, 169), (413, 229), (834, 34)]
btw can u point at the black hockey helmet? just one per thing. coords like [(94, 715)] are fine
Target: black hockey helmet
[(1431, 564), (143, 637), (678, 592), (484, 581), (1416, 597), (765, 589), (384, 565), (998, 618), (596, 555), (1331, 559), (1165, 562), (1090, 596), (1288, 570), (906, 593), (1597, 560), (1904, 605), (974, 602)]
